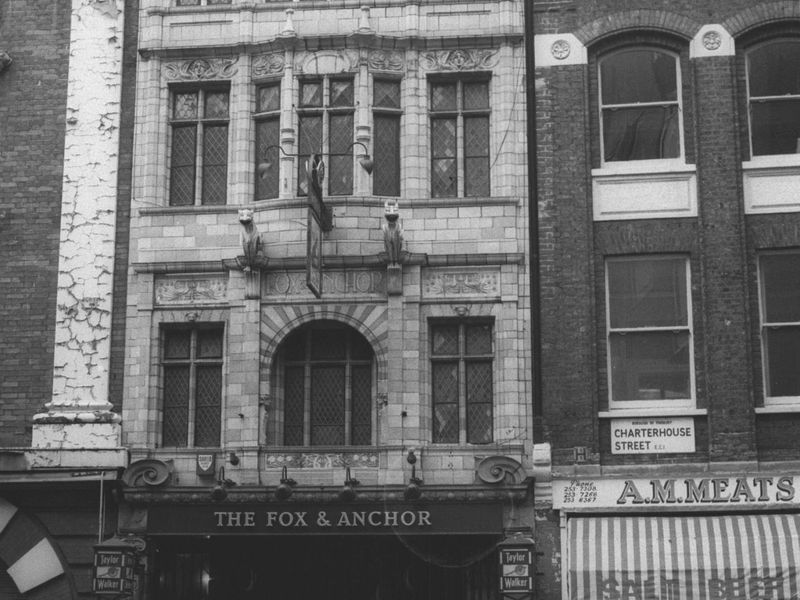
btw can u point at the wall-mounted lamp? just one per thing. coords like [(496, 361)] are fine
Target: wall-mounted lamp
[(413, 490), (220, 491), (348, 492), (286, 487)]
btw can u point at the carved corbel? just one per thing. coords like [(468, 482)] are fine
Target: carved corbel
[(148, 472), (393, 245), (500, 469)]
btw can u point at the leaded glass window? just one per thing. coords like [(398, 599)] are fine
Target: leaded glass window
[(386, 116), (268, 156), (649, 331), (640, 105), (327, 386), (459, 112), (779, 275), (462, 364), (192, 386), (773, 78), (326, 108), (199, 156)]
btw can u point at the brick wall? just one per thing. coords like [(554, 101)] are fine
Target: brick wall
[(32, 112)]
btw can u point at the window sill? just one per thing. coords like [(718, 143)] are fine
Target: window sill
[(643, 167), (770, 184), (785, 406), (772, 161), (652, 412)]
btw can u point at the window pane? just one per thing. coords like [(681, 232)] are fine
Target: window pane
[(479, 423), (478, 339), (182, 166), (783, 361), (386, 176), (185, 106), (309, 141), (650, 366), (774, 69), (175, 414), (327, 406), (209, 343), (444, 339), (476, 95), (445, 423), (340, 167), (215, 168), (775, 127), (638, 76), (341, 134), (311, 93), (386, 94), (269, 98), (443, 96), (476, 151), (293, 402), (268, 161), (361, 402), (444, 180), (208, 406), (177, 344), (641, 133), (445, 382), (647, 293), (341, 93), (780, 274), (443, 137), (479, 382), (216, 105)]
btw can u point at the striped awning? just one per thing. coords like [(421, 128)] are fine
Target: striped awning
[(731, 557)]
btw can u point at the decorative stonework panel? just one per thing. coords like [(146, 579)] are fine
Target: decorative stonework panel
[(268, 64), (322, 460), (381, 60), (201, 69), (458, 60), (206, 290), (327, 62), (442, 284), (347, 283)]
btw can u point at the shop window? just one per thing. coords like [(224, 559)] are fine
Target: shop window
[(327, 386), (462, 363), (780, 325), (773, 78), (192, 386), (459, 121), (268, 156), (325, 108), (649, 332), (199, 149), (386, 121), (640, 105)]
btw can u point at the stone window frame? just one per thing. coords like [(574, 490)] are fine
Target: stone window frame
[(645, 406)]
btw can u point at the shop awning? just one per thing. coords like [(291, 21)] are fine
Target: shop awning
[(730, 557)]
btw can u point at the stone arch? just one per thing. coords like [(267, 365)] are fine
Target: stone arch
[(33, 561), (762, 14), (368, 319), (621, 22)]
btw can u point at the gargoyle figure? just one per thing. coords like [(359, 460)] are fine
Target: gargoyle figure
[(250, 239), (392, 232)]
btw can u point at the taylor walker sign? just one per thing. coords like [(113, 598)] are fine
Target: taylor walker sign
[(750, 490), (652, 436)]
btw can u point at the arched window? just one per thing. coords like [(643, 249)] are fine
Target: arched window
[(640, 104), (325, 371)]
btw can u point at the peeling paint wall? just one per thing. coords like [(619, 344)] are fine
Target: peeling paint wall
[(86, 261)]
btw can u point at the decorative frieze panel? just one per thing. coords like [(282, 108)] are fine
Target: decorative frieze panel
[(201, 69), (440, 283), (458, 60), (196, 290), (265, 65), (346, 283), (322, 460), (381, 60), (327, 62)]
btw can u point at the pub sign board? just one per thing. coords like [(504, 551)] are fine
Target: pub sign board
[(113, 571), (515, 570)]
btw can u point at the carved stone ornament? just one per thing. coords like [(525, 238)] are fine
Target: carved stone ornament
[(560, 49), (500, 469), (327, 62), (463, 283), (268, 64), (381, 60), (201, 69), (5, 60), (322, 460), (458, 60), (148, 472), (712, 40), (209, 290)]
